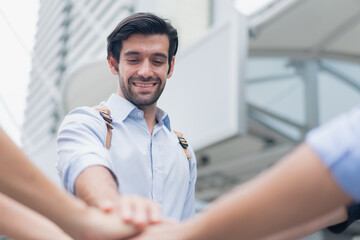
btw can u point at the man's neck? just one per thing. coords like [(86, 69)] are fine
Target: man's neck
[(149, 113), (150, 116)]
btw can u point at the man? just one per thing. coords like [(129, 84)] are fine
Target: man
[(320, 177), (145, 157), (22, 181)]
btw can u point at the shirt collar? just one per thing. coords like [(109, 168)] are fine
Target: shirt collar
[(121, 108), (163, 117)]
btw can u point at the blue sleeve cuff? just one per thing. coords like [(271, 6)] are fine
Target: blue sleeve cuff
[(80, 165), (337, 145)]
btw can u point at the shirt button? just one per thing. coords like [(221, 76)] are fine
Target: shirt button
[(139, 114)]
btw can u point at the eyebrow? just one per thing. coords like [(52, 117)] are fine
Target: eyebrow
[(131, 53), (161, 55), (157, 54)]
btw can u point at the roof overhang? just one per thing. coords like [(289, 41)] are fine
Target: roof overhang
[(88, 85), (307, 29)]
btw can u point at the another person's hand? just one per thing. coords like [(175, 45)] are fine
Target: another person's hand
[(135, 210), (168, 230), (93, 224)]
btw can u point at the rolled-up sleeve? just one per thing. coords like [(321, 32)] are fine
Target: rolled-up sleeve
[(337, 144), (81, 144)]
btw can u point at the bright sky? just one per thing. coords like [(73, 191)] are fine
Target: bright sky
[(18, 27), (17, 23), (250, 6)]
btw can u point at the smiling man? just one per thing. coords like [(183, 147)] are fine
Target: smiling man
[(144, 157)]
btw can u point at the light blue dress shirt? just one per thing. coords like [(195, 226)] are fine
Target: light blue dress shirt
[(154, 166), (337, 144)]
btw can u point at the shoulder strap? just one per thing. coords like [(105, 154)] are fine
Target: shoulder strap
[(183, 143), (105, 114)]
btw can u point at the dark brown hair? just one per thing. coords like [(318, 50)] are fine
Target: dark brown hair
[(141, 23)]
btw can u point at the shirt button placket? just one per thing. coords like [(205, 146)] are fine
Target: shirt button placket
[(158, 175)]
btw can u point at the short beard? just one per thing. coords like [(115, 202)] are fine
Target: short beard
[(134, 98)]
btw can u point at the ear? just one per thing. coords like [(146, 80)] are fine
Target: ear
[(113, 65), (171, 67)]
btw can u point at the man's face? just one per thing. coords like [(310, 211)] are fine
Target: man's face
[(143, 68)]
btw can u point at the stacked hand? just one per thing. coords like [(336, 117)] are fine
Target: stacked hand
[(134, 210), (166, 230), (144, 216)]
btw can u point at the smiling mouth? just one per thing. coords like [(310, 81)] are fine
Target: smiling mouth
[(144, 85)]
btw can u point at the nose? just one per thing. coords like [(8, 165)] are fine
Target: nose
[(146, 69)]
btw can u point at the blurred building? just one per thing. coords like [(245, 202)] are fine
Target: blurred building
[(250, 86)]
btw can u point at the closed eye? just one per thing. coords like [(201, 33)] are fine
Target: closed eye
[(158, 60), (132, 60)]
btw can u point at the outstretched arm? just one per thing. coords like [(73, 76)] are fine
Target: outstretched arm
[(97, 187), (86, 169), (295, 190), (335, 216), (30, 187), (20, 222)]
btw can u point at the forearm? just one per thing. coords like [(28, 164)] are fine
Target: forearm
[(296, 190), (96, 186), (20, 222), (28, 185), (335, 216), (31, 188)]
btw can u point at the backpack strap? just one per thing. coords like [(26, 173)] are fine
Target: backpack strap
[(183, 143), (105, 114)]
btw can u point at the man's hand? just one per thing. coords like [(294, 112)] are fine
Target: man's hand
[(93, 224), (97, 187), (135, 210), (168, 230)]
